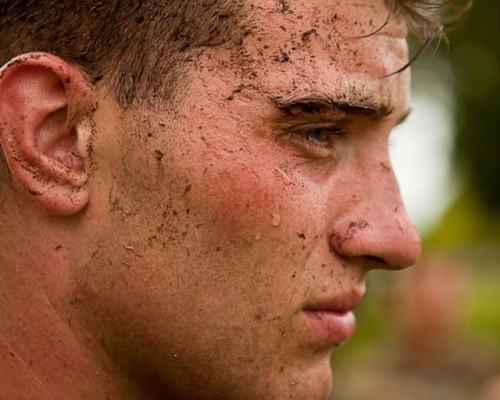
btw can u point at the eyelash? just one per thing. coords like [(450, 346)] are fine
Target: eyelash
[(317, 148)]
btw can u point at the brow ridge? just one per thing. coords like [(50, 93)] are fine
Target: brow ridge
[(323, 104)]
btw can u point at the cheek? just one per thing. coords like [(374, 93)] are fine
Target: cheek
[(240, 198), (254, 197), (260, 218)]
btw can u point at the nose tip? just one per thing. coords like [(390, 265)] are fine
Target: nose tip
[(386, 239)]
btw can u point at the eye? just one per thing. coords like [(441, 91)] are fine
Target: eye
[(317, 141), (320, 135)]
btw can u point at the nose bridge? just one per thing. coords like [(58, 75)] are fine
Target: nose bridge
[(376, 226), (385, 196)]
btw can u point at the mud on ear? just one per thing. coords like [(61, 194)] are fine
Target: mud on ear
[(45, 108)]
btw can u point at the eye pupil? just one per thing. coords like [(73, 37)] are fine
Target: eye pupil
[(319, 135)]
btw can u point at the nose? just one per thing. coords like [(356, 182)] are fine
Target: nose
[(374, 225)]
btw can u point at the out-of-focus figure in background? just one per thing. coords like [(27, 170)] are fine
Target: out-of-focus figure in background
[(431, 355), (491, 390)]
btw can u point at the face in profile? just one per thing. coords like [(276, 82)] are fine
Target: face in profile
[(227, 241)]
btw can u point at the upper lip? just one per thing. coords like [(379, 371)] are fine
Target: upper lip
[(344, 301)]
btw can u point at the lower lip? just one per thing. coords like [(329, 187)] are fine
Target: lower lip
[(331, 327)]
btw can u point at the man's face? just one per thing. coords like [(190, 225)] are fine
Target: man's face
[(231, 235)]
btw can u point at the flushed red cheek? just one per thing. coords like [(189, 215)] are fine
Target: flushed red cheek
[(252, 204), (241, 200)]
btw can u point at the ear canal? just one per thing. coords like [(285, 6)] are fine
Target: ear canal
[(59, 145), (40, 105)]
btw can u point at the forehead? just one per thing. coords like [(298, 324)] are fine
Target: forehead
[(337, 47), (348, 16)]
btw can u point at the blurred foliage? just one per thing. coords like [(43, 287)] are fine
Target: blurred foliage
[(473, 232), (467, 224), (474, 52)]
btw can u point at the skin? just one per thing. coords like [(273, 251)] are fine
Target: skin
[(210, 228)]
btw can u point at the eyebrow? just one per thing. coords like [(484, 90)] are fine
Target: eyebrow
[(323, 104)]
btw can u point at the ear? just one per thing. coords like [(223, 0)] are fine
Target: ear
[(45, 109)]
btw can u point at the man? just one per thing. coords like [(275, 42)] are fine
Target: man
[(195, 192)]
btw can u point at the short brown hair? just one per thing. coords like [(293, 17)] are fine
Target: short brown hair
[(136, 46), (426, 19)]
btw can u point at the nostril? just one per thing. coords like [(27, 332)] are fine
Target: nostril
[(377, 260), (379, 263)]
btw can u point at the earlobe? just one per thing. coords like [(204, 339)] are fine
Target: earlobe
[(45, 105)]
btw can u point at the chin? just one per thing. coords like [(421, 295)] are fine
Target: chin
[(299, 382), (313, 383)]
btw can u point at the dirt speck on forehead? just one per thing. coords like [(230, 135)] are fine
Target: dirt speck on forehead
[(283, 6)]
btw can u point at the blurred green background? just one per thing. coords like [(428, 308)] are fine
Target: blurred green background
[(450, 180)]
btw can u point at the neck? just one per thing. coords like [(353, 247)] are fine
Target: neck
[(46, 352), (15, 373), (44, 355)]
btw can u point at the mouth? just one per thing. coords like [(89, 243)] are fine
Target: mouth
[(331, 320)]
